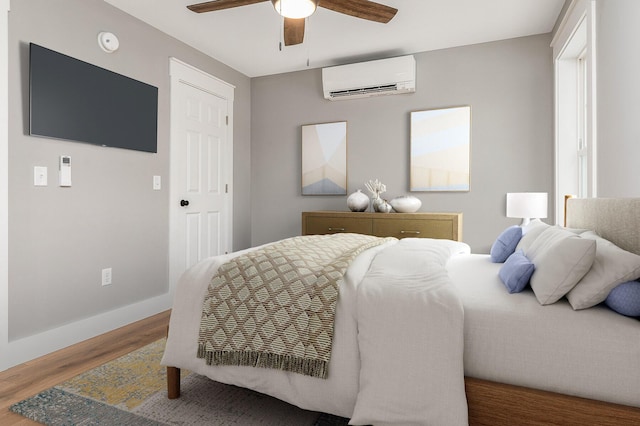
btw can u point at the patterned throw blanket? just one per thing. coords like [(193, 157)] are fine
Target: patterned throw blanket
[(274, 307)]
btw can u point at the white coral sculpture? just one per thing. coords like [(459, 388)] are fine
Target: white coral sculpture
[(375, 187)]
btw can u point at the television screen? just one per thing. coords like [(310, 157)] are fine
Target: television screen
[(74, 100)]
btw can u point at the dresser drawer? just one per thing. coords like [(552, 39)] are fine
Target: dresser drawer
[(416, 228), (332, 225), (399, 225)]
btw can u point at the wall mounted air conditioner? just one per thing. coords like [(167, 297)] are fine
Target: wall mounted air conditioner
[(382, 77)]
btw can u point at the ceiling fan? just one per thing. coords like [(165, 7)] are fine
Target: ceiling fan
[(295, 12)]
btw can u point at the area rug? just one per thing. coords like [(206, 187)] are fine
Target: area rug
[(131, 390)]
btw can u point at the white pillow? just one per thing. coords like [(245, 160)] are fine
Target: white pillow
[(529, 235), (612, 266), (561, 259)]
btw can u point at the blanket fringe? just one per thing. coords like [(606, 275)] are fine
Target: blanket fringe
[(309, 367)]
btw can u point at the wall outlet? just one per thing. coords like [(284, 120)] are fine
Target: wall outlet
[(106, 276)]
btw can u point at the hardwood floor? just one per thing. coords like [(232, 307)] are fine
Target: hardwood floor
[(25, 380)]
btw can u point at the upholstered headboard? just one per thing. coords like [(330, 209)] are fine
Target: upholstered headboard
[(615, 219)]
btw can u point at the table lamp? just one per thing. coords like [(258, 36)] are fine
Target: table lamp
[(527, 206)]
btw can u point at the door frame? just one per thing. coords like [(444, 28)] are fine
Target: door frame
[(183, 73), (4, 182)]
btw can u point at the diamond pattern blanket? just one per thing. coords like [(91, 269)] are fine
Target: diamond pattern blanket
[(274, 307)]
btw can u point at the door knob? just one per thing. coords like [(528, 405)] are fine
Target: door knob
[(184, 203)]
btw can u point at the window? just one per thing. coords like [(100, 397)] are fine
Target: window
[(582, 122), (575, 124)]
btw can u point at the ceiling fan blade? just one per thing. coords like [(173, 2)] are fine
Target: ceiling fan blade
[(293, 31), (211, 6), (364, 9)]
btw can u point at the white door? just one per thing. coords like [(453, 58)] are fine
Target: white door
[(201, 159)]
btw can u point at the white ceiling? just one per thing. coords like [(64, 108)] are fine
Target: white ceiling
[(247, 38)]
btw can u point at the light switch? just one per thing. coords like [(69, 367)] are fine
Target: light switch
[(157, 183), (39, 176)]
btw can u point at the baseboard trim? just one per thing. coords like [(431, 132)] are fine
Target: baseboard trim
[(31, 347)]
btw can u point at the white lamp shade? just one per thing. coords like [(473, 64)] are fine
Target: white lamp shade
[(295, 9), (527, 205)]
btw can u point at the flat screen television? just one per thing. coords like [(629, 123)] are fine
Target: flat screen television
[(74, 100)]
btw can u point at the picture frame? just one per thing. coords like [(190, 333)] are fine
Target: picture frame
[(440, 149), (324, 158)]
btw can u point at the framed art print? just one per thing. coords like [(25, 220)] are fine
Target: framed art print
[(324, 159), (440, 149)]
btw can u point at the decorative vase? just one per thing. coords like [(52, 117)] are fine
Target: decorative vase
[(381, 206), (376, 188), (358, 201), (406, 204)]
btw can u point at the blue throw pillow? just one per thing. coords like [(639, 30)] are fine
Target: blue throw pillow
[(625, 299), (506, 244), (516, 272)]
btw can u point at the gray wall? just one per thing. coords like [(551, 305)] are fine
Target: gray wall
[(509, 87), (61, 238), (618, 90)]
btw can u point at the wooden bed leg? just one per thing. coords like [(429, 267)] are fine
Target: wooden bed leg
[(173, 382)]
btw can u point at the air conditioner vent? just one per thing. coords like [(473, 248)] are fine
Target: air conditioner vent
[(389, 88), (382, 77)]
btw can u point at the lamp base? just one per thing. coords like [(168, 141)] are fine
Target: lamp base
[(525, 221)]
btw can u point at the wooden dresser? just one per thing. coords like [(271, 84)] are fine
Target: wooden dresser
[(399, 225)]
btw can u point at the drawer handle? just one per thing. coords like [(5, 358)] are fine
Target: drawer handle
[(410, 232), (337, 229)]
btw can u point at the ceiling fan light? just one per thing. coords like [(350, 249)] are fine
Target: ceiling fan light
[(295, 9)]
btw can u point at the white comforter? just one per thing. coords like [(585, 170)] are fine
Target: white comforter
[(398, 343)]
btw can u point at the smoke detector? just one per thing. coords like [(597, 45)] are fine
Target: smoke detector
[(108, 42)]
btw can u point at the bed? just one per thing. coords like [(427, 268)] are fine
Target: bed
[(521, 360)]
